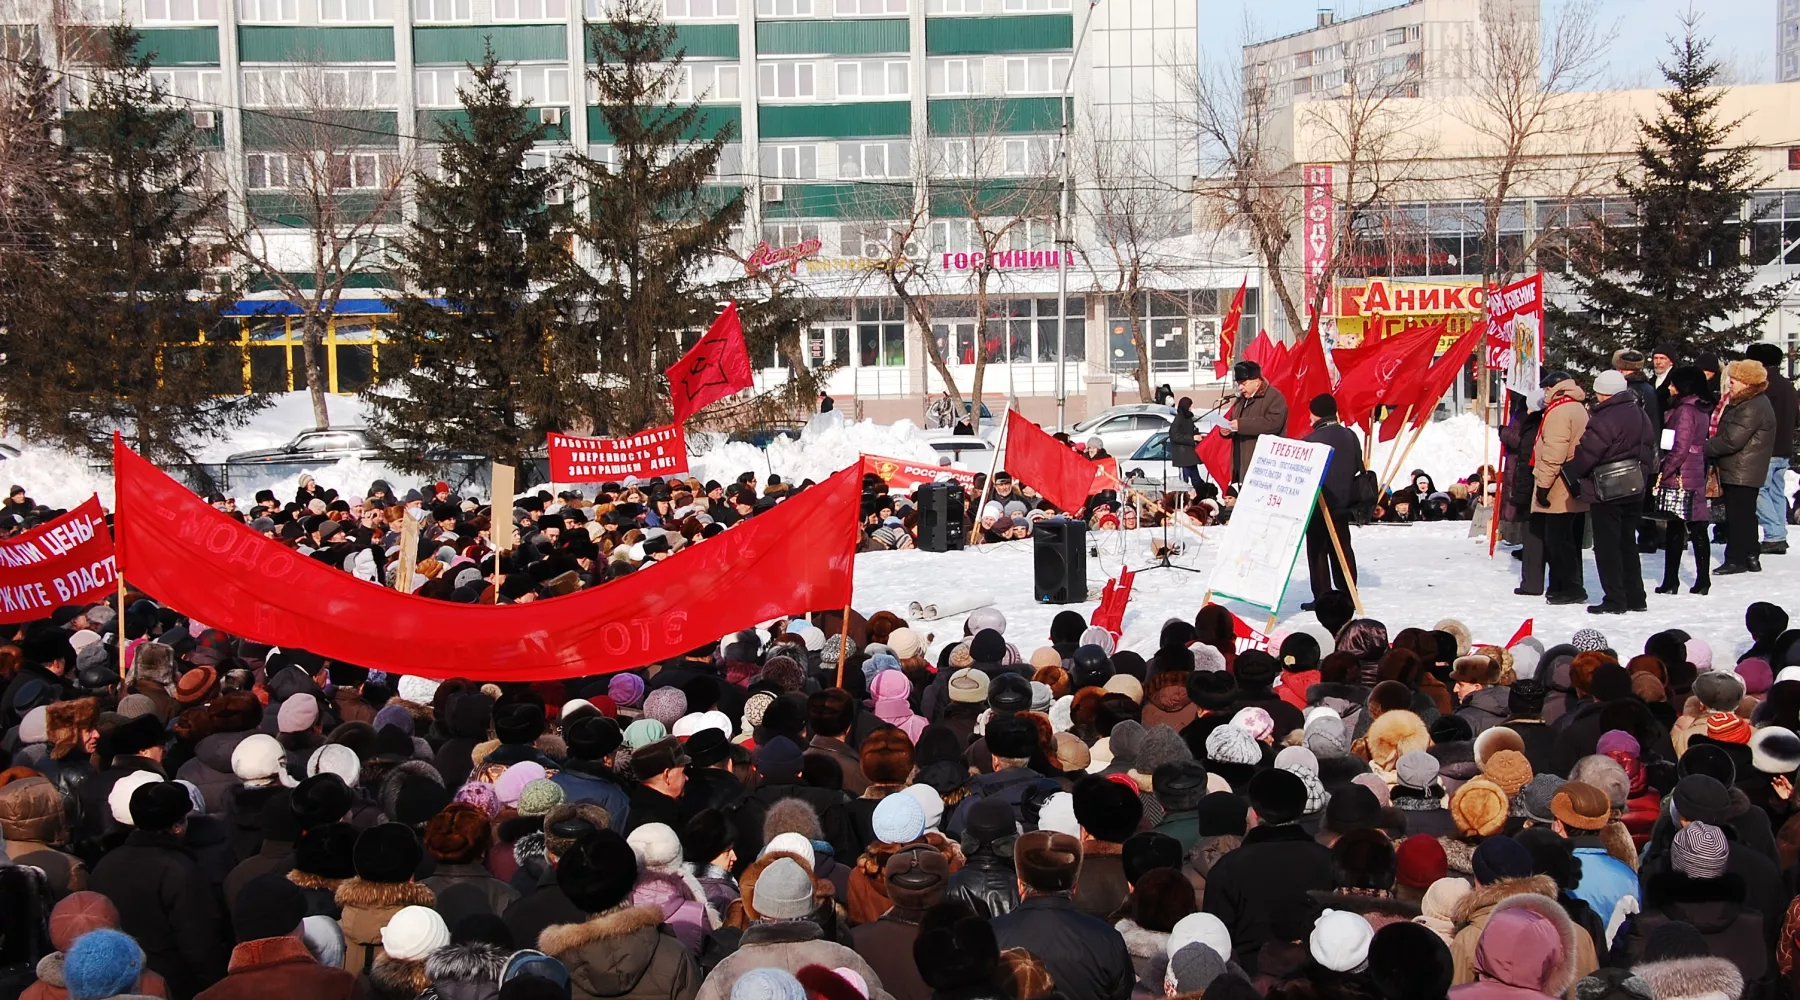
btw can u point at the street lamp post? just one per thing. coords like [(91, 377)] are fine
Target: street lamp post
[(1064, 237)]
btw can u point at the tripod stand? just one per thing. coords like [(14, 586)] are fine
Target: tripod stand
[(1163, 562)]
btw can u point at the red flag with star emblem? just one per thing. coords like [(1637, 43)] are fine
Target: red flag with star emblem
[(715, 367)]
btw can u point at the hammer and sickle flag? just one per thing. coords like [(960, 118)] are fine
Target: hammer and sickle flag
[(715, 367)]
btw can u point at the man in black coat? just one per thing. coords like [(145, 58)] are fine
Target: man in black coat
[(1278, 864), (1084, 955), (1618, 430), (778, 764), (1336, 498), (48, 657), (1772, 500), (163, 899)]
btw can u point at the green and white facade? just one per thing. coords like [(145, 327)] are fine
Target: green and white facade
[(844, 110)]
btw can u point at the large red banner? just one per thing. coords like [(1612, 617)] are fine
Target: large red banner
[(1316, 228), (65, 561), (904, 474), (1228, 332), (659, 451), (1384, 373), (794, 558), (715, 367), (1047, 465)]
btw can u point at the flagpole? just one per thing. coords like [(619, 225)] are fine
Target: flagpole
[(121, 618), (1388, 470), (1337, 546), (993, 467), (844, 639)]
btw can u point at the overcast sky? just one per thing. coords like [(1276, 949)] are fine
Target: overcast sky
[(1743, 30)]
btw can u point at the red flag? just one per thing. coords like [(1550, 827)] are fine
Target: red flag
[(1110, 615), (1106, 476), (1278, 362), (715, 367), (1228, 332), (1420, 396), (1261, 350), (1214, 451), (1306, 376), (1046, 464), (795, 557), (1524, 632), (1388, 366), (1247, 635)]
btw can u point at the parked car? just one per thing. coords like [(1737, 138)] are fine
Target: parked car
[(966, 451), (1124, 429), (1148, 468), (319, 446)]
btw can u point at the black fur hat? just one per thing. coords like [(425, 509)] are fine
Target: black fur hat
[(1277, 796), (1363, 859), (320, 799), (599, 873), (328, 851), (962, 955), (159, 805), (1106, 809), (1144, 852), (387, 853), (1409, 961)]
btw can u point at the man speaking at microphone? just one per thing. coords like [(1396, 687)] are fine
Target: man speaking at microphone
[(1259, 409)]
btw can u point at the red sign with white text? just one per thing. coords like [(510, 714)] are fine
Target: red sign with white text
[(1316, 227), (659, 451), (65, 561), (902, 474)]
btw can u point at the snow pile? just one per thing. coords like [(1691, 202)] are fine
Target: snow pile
[(815, 454), (57, 478), (1447, 450)]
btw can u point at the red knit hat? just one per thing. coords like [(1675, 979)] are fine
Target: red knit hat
[(1420, 861), (1728, 727)]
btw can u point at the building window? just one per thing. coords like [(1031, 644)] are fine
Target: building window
[(852, 8), (879, 240), (784, 80), (791, 163), (1303, 60), (265, 171), (953, 236), (1036, 5), (181, 10), (268, 10), (952, 158), (198, 86), (363, 170), (436, 88), (708, 82), (540, 84), (331, 87), (1777, 226), (1036, 74), (953, 77), (784, 8), (354, 10), (680, 10), (1028, 156), (880, 333), (953, 7), (872, 78), (531, 10), (440, 10), (874, 159), (787, 234)]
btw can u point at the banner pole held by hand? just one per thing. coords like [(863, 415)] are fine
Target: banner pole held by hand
[(843, 644)]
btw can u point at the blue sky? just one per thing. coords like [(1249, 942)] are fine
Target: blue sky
[(1743, 30)]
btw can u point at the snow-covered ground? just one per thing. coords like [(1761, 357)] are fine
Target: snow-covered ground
[(1412, 575)]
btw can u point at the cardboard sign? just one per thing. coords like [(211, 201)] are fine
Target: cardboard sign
[(1263, 538), (500, 525)]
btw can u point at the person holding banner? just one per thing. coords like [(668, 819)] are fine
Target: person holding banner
[(1337, 496), (1259, 409)]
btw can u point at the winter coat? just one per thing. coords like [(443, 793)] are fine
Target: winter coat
[(1424, 810), (273, 858), (1084, 955), (844, 756), (1184, 826), (1264, 413), (682, 901), (1346, 461), (539, 909), (1517, 438), (791, 945), (589, 781), (1379, 911), (1475, 909), (168, 907), (1684, 465), (280, 967), (1604, 879), (887, 945), (1100, 884), (988, 883), (1147, 947), (50, 984), (1166, 702), (1643, 391), (210, 770), (243, 816), (469, 971), (831, 805), (1715, 907), (1640, 815), (1009, 785), (1565, 419), (1617, 430), (391, 978), (1293, 685), (1486, 708), (1701, 978), (1184, 434), (1503, 969), (1745, 440), (367, 907), (1270, 873), (465, 890), (625, 952)]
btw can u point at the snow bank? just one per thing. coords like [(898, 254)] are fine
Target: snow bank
[(1447, 450), (815, 454)]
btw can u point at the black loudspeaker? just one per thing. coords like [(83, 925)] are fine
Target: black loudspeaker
[(1059, 561), (941, 526)]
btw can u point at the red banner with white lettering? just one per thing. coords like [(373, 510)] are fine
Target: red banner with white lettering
[(796, 557), (902, 474), (1515, 318), (715, 367), (1316, 228), (1247, 635), (65, 561), (659, 451)]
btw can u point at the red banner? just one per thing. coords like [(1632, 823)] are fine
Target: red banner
[(902, 474), (1383, 371), (1261, 350), (796, 557), (1114, 597), (1228, 332), (715, 367), (1248, 637), (1047, 465), (1214, 452), (659, 451), (1303, 376), (1316, 228), (65, 561)]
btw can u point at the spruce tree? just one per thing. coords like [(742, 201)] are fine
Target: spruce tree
[(495, 363), (33, 160), (1675, 276), (659, 223), (113, 344)]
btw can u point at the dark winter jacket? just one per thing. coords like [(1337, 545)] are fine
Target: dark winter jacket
[(468, 971), (1715, 907), (166, 904), (1184, 434), (542, 907), (1783, 400), (987, 882), (466, 890), (1271, 873), (1084, 955), (1009, 785), (210, 770), (887, 945), (624, 952), (1517, 438), (1486, 708), (1100, 886), (1617, 430), (1684, 465), (1346, 461), (1746, 438), (1644, 392)]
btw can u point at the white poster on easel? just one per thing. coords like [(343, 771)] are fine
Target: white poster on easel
[(1268, 524)]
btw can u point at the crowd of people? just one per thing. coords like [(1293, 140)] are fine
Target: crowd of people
[(831, 809)]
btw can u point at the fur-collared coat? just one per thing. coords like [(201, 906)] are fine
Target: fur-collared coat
[(367, 907), (1475, 909), (625, 952), (467, 971), (1511, 972), (1691, 979), (791, 945)]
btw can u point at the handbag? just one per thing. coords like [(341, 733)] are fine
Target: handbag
[(1714, 488), (1621, 479), (1673, 502)]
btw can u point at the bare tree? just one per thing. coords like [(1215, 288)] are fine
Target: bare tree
[(1137, 215), (323, 185)]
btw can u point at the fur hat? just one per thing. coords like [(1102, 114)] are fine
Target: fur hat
[(1775, 750), (792, 815), (1408, 961), (1606, 774), (1393, 734), (458, 835), (327, 851), (1748, 372), (155, 805), (656, 846), (1475, 669), (413, 933), (599, 872), (1277, 796), (1479, 808), (959, 957), (1581, 806), (1161, 896), (1106, 809), (387, 853), (1046, 861), (267, 906), (1499, 858)]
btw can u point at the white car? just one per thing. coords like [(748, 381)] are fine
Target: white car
[(1124, 429)]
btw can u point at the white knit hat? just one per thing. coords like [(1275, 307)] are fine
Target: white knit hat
[(1340, 940), (933, 803), (656, 846), (417, 690), (1197, 928), (413, 933), (792, 843), (118, 801), (258, 758), (1058, 815), (335, 758)]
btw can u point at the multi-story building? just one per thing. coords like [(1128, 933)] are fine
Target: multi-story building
[(1787, 40), (1427, 43), (850, 117)]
